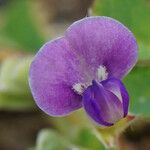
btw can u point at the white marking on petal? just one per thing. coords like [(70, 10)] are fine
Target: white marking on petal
[(102, 73), (78, 88)]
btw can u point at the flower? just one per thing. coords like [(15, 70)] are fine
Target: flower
[(84, 68)]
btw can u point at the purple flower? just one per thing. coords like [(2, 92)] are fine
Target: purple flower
[(84, 68)]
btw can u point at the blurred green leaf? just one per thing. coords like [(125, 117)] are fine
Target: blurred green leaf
[(77, 128), (14, 88), (144, 51), (75, 121), (11, 101), (50, 140), (137, 83), (133, 13), (20, 27), (87, 139), (14, 74)]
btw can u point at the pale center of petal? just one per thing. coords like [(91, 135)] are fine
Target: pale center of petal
[(102, 73)]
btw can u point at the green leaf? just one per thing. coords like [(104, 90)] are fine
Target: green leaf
[(50, 140), (137, 84), (14, 88), (87, 139), (77, 128), (132, 13), (67, 123), (20, 27), (14, 74), (144, 51), (13, 101)]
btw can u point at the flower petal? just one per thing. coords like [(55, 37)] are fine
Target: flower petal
[(104, 41), (102, 105), (52, 73), (117, 87)]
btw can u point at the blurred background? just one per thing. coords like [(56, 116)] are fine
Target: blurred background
[(25, 25)]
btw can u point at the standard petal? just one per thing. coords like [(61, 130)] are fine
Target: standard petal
[(53, 72), (102, 105), (103, 41), (117, 87)]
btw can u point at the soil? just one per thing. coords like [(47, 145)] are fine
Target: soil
[(18, 130)]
